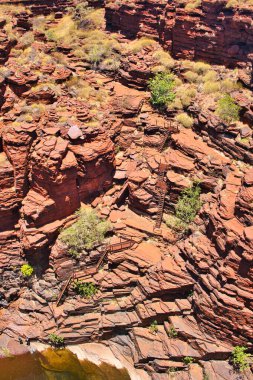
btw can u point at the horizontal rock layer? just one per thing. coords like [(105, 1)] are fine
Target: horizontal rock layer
[(210, 32)]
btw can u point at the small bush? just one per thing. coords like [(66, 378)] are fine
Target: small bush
[(175, 223), (239, 3), (96, 54), (175, 105), (56, 340), (190, 76), (227, 85), (79, 88), (227, 109), (94, 18), (172, 333), (153, 327), (240, 359), (184, 119), (186, 93), (188, 360), (98, 47), (192, 5), (201, 67), (210, 87), (163, 60), (26, 270), (85, 289), (26, 40), (87, 231), (189, 204), (211, 75), (110, 64), (137, 45), (63, 31), (162, 89)]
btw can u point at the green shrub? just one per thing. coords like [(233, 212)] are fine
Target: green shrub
[(184, 119), (172, 333), (26, 270), (153, 327), (240, 359), (189, 204), (85, 289), (188, 360), (162, 89), (85, 232), (56, 340), (227, 109)]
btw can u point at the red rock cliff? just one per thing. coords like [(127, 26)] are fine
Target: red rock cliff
[(210, 32)]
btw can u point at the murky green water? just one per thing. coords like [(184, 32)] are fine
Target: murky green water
[(56, 365)]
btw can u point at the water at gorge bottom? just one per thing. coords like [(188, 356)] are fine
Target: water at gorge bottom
[(56, 365)]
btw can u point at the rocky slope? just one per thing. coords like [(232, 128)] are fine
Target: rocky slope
[(210, 32), (77, 131)]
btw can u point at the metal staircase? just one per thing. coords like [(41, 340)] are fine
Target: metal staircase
[(161, 188), (168, 132), (87, 273)]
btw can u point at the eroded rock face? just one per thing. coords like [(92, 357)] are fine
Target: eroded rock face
[(210, 32), (58, 150), (220, 258)]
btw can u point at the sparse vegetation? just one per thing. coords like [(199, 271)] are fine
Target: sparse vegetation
[(190, 76), (188, 360), (172, 333), (27, 270), (193, 5), (227, 85), (189, 204), (163, 61), (201, 67), (153, 327), (210, 87), (184, 119), (87, 231), (175, 223), (227, 109), (63, 31), (5, 352), (240, 358), (239, 3), (162, 89), (56, 340), (185, 94), (139, 44), (85, 289)]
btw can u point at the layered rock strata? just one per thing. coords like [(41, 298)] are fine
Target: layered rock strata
[(58, 151), (210, 32)]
